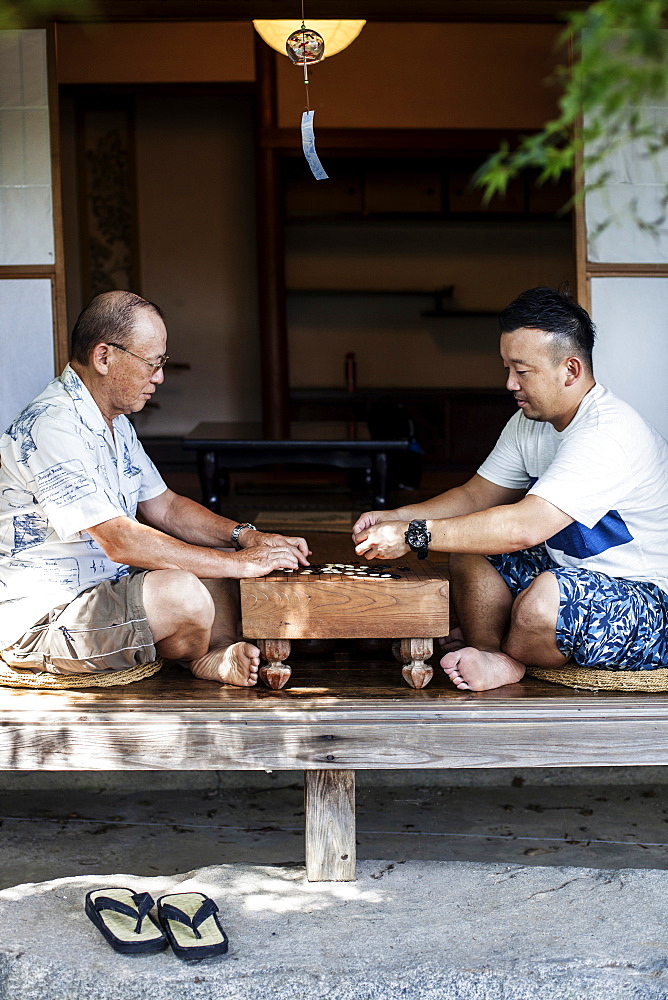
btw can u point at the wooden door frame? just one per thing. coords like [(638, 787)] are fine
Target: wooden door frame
[(587, 269)]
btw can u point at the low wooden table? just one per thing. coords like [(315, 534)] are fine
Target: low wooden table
[(408, 602), (224, 446)]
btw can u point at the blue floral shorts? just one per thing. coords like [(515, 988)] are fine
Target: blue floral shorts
[(603, 621)]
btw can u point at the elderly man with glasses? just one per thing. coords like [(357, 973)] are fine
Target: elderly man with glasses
[(101, 565)]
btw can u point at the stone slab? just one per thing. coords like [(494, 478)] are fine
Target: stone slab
[(428, 930)]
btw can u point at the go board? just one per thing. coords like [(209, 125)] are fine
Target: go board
[(350, 600)]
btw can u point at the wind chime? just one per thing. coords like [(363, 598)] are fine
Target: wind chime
[(306, 47)]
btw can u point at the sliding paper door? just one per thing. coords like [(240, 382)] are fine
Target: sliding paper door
[(623, 273), (32, 337)]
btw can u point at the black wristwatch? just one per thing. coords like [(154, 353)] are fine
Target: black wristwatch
[(418, 538), (234, 537)]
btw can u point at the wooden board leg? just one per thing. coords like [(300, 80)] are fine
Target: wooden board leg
[(413, 653), (275, 674)]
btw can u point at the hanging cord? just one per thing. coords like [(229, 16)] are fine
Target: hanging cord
[(303, 29), (308, 105)]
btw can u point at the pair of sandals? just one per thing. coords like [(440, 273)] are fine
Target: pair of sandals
[(186, 920)]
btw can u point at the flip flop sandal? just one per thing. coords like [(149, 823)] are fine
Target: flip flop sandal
[(119, 916), (191, 924)]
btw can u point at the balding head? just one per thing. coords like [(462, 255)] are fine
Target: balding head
[(108, 318)]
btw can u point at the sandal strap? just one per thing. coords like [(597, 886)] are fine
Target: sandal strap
[(171, 912), (143, 902)]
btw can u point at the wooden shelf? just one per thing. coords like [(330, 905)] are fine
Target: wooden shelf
[(438, 312), (417, 189), (425, 218)]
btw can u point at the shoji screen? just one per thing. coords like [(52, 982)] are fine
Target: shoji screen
[(30, 283), (623, 274)]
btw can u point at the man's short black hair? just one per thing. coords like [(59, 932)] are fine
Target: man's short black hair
[(556, 313), (108, 318)]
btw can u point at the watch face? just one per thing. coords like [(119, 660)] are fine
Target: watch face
[(416, 537)]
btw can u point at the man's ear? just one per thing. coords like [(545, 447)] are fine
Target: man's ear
[(574, 369), (99, 358)]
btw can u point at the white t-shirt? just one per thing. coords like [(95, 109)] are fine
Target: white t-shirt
[(63, 471), (609, 471)]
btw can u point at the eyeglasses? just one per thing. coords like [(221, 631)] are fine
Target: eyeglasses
[(155, 366)]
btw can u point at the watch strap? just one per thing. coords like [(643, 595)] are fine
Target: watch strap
[(234, 537)]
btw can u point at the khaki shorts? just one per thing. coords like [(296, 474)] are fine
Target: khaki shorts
[(103, 629)]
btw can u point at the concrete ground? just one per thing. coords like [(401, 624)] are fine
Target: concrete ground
[(494, 884), (431, 930)]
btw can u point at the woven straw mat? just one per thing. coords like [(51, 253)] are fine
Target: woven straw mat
[(11, 677), (604, 680)]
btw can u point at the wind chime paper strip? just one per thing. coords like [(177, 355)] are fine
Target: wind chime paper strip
[(308, 145)]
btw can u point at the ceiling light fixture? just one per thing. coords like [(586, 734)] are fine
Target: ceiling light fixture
[(337, 34)]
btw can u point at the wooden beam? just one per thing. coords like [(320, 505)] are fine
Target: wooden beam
[(459, 142), (582, 290), (602, 270), (271, 254), (60, 331), (329, 810), (27, 270), (462, 737), (502, 11)]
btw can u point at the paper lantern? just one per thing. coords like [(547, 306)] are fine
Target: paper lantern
[(337, 34)]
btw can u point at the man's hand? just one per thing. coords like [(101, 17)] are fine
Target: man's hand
[(372, 517), (251, 539), (382, 541), (258, 560)]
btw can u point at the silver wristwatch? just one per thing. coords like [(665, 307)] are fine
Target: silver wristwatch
[(234, 537)]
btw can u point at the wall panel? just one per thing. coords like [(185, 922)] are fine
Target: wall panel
[(631, 356), (26, 343), (29, 280), (26, 213)]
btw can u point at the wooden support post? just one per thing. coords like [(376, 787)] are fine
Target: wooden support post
[(275, 673), (329, 808)]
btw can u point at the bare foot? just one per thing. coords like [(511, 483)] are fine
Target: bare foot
[(453, 640), (478, 670), (236, 664)]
